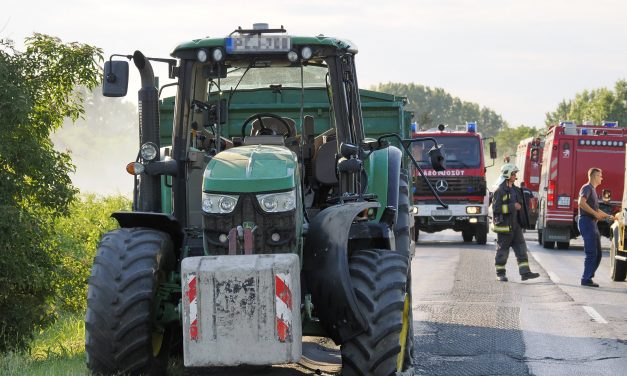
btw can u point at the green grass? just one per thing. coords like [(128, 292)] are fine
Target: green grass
[(59, 350)]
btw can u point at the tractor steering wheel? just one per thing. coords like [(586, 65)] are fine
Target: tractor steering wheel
[(265, 130)]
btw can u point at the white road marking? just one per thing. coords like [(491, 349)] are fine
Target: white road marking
[(553, 277), (594, 314)]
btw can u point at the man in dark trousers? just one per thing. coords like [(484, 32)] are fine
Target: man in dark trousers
[(589, 214), (508, 217)]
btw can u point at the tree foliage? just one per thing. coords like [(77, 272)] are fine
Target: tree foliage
[(593, 105), (36, 95), (435, 106)]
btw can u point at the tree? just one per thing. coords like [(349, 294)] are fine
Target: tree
[(508, 138), (435, 106), (593, 105), (36, 94)]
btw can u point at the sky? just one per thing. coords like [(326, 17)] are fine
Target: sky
[(520, 58)]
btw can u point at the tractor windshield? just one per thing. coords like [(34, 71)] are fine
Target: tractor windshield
[(266, 77)]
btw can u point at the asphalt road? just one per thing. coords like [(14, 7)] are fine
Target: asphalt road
[(467, 323)]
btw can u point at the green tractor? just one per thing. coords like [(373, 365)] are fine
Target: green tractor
[(252, 229)]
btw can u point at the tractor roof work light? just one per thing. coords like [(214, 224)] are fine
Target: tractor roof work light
[(202, 55), (306, 53), (292, 56), (217, 54)]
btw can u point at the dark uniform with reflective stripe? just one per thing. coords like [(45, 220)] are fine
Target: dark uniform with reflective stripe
[(508, 229)]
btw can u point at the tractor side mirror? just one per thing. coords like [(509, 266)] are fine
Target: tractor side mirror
[(438, 158), (115, 80), (492, 146)]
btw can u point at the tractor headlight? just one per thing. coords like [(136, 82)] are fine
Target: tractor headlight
[(277, 202), (218, 204), (148, 151)]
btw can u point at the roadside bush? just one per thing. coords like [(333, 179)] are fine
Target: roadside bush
[(27, 267)]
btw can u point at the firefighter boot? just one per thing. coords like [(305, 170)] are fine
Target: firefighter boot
[(529, 275), (501, 277)]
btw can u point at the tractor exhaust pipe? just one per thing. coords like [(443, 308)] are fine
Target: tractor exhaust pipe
[(149, 190)]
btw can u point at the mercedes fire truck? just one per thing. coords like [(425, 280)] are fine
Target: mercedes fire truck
[(529, 161), (570, 151), (462, 185)]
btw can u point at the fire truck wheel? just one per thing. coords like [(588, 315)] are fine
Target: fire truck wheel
[(563, 245), (481, 233), (467, 235), (380, 283), (618, 268), (547, 244), (120, 336), (539, 236)]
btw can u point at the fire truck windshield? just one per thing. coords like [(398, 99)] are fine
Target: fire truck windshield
[(461, 152)]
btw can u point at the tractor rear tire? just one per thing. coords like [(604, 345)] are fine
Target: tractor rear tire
[(380, 282), (120, 336), (402, 228), (402, 236)]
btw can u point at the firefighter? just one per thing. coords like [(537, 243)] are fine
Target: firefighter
[(508, 217)]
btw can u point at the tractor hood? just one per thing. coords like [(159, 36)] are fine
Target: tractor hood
[(254, 168)]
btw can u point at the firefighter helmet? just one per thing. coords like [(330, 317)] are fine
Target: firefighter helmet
[(508, 169)]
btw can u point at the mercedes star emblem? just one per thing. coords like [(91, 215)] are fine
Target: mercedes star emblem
[(441, 185)]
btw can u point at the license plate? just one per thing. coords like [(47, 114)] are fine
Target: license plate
[(563, 201), (258, 43), (441, 213)]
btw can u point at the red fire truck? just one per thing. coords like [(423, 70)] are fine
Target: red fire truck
[(570, 150), (462, 185), (529, 161)]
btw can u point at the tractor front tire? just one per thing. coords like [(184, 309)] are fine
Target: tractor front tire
[(380, 281), (120, 335)]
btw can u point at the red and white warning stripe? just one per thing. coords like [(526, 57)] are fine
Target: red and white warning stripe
[(192, 301), (283, 302)]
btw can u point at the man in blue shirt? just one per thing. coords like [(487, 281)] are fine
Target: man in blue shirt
[(589, 214)]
